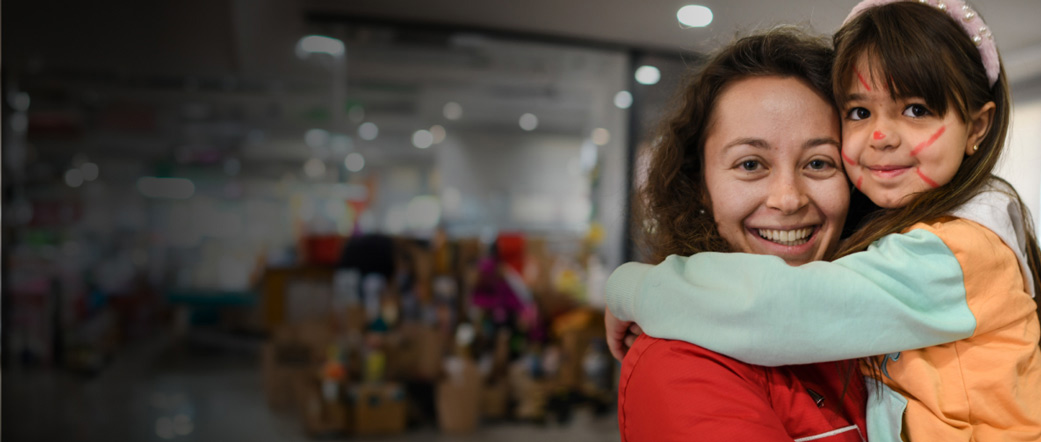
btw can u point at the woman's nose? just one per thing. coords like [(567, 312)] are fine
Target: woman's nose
[(787, 195)]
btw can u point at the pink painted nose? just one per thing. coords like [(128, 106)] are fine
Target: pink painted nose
[(878, 135)]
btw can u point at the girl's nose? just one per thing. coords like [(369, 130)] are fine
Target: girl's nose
[(883, 136)]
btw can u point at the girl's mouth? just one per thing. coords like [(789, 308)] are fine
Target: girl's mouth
[(787, 237), (888, 171)]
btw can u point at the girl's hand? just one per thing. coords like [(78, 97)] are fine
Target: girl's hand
[(620, 334)]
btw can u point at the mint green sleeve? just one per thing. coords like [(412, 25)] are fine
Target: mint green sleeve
[(904, 292)]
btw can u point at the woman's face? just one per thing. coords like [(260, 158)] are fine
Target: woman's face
[(773, 169)]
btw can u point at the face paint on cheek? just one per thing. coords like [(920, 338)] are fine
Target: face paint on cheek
[(878, 135), (859, 182), (849, 160), (928, 142), (862, 81), (927, 180)]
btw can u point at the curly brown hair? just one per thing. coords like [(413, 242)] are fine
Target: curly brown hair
[(673, 210)]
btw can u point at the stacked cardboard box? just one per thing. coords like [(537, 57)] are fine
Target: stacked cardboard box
[(391, 335)]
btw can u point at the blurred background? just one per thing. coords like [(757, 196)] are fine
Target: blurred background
[(300, 219)]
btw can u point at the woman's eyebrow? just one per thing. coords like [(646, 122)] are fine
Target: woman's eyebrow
[(814, 142), (748, 141)]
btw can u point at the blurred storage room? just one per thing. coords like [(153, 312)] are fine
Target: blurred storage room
[(289, 220)]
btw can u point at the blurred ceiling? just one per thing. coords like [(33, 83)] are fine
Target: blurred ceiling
[(652, 23), (222, 68)]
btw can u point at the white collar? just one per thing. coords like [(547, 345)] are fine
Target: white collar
[(996, 209)]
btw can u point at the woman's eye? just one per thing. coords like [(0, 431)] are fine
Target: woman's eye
[(819, 164), (858, 113), (916, 111), (750, 165)]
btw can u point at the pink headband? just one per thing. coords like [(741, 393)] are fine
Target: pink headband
[(969, 20)]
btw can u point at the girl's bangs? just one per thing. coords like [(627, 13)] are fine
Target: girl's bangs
[(904, 60)]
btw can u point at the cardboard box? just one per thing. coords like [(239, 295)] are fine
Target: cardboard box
[(495, 400), (530, 394), (293, 353), (378, 408), (459, 399), (281, 368), (320, 415), (419, 355)]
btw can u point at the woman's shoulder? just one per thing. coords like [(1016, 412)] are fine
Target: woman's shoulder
[(669, 358)]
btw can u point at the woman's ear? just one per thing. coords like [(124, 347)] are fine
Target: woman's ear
[(979, 125)]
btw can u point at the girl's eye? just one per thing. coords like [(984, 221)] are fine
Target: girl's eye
[(916, 111), (858, 113), (750, 165)]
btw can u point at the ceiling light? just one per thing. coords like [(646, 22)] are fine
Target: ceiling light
[(368, 131), (89, 171), (354, 162), (73, 177), (314, 168), (452, 110), (623, 99), (529, 122), (648, 75), (319, 44), (439, 133), (695, 16), (316, 137), (422, 139)]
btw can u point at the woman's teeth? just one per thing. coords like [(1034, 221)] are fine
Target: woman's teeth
[(786, 237)]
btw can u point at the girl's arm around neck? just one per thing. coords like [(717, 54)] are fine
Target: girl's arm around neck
[(906, 291)]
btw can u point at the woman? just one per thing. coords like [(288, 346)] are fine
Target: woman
[(748, 162)]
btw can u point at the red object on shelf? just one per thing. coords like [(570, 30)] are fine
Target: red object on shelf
[(510, 248), (323, 249)]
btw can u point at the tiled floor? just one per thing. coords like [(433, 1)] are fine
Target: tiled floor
[(207, 389)]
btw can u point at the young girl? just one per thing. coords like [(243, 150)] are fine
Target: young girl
[(939, 283)]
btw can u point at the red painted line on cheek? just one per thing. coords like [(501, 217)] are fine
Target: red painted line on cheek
[(928, 142), (928, 181), (861, 78), (878, 135), (848, 159), (859, 182)]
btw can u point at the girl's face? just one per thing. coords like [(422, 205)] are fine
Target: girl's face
[(894, 149), (773, 170)]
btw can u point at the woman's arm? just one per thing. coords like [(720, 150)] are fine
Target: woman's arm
[(906, 291)]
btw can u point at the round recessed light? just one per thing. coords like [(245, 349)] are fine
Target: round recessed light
[(354, 162), (648, 75), (623, 99), (422, 139), (368, 131), (452, 110), (695, 16), (529, 122)]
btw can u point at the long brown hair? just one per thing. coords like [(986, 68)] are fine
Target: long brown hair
[(673, 209), (921, 51)]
